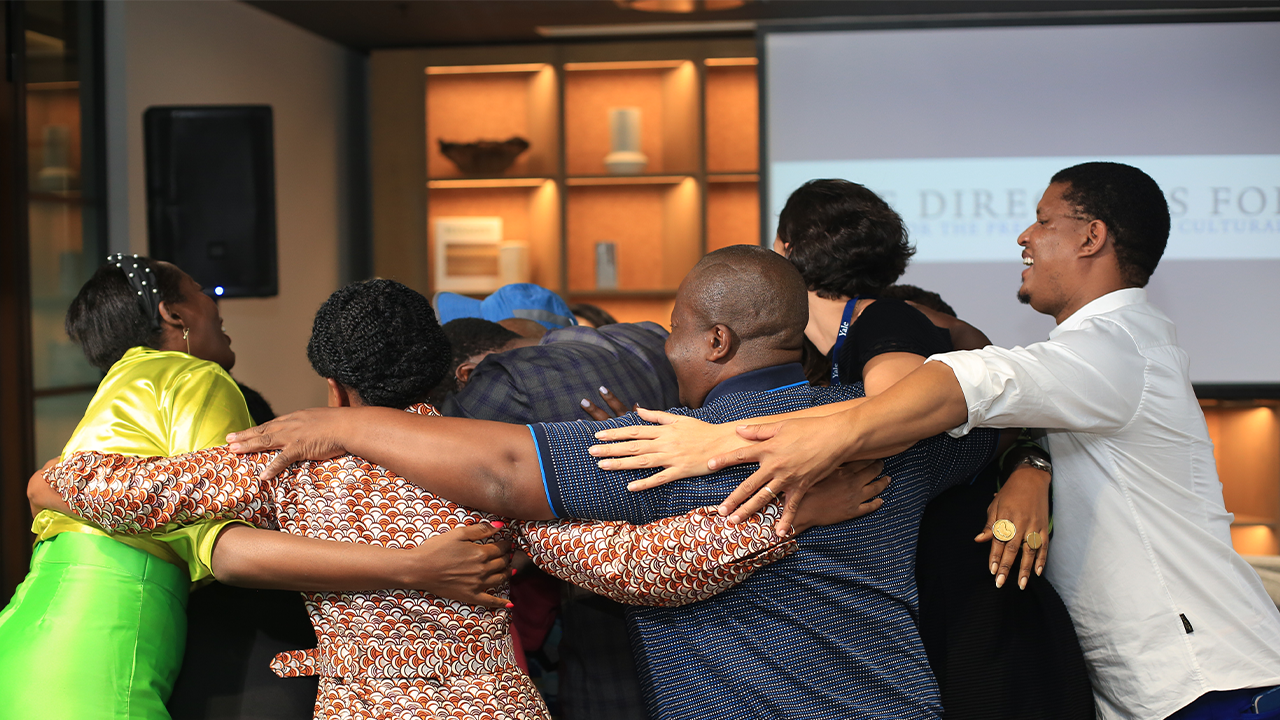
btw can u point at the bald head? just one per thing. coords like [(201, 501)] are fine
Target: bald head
[(753, 291)]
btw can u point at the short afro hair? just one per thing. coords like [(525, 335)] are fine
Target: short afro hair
[(380, 339), (106, 319), (474, 336), (468, 336), (844, 239), (1131, 205)]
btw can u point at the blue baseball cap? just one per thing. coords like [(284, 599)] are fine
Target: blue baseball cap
[(519, 300)]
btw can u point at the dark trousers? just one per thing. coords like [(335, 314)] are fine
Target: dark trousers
[(998, 653), (1226, 705), (232, 635)]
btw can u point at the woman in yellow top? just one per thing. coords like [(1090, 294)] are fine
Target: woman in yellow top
[(97, 628)]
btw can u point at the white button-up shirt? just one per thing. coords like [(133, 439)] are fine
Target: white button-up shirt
[(1141, 554)]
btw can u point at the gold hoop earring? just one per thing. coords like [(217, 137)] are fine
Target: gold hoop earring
[(186, 336)]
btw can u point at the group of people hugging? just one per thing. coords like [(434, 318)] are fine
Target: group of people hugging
[(819, 495)]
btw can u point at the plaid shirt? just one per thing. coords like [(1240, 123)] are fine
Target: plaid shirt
[(545, 382)]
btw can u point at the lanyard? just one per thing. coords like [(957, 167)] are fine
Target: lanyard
[(845, 322)]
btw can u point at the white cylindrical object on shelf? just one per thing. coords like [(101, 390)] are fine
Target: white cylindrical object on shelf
[(606, 266), (513, 262), (624, 129), (625, 157)]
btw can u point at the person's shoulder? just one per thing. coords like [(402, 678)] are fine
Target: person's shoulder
[(620, 340), (1120, 330), (166, 366), (892, 308), (893, 316), (645, 332), (643, 329), (1146, 323), (827, 394), (750, 403)]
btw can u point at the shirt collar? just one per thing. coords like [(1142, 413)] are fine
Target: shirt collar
[(1111, 301), (770, 379)]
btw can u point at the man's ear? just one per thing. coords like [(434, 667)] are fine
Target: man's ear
[(720, 343), (1096, 238), (463, 373), (338, 395)]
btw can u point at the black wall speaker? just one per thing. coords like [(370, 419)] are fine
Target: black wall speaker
[(211, 198)]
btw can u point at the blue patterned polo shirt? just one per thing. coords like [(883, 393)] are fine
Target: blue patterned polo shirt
[(828, 632)]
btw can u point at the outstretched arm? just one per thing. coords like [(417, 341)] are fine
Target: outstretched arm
[(144, 494), (681, 445), (691, 557), (135, 494), (794, 454), (669, 562), (458, 565), (490, 466)]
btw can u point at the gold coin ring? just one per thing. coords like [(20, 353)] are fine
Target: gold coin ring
[(1033, 540), (1004, 530)]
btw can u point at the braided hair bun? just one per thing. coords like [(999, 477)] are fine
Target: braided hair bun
[(380, 339)]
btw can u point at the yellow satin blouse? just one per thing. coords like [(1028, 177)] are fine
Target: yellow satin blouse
[(155, 402)]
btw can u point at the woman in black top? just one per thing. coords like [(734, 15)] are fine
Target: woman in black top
[(997, 653)]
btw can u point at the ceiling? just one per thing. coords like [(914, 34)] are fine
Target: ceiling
[(372, 24)]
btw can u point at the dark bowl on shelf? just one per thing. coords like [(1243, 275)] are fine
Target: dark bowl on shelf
[(484, 157)]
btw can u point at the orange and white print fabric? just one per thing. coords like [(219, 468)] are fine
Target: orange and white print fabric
[(405, 653)]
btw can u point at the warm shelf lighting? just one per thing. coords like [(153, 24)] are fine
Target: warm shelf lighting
[(732, 62), (627, 180), (469, 183), (714, 27), (733, 178), (484, 69), (625, 65), (679, 6)]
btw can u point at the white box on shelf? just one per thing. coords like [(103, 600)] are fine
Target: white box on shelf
[(467, 254)]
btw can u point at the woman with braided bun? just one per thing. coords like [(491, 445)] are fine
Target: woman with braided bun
[(97, 628)]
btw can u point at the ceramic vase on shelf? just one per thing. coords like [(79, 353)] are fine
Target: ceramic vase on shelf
[(625, 157)]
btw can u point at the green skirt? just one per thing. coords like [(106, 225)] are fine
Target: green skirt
[(95, 632)]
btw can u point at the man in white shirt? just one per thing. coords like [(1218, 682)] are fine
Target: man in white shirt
[(1172, 622)]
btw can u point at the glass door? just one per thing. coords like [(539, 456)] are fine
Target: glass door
[(67, 239)]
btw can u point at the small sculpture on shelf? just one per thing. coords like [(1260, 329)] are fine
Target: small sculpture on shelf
[(484, 157), (625, 157)]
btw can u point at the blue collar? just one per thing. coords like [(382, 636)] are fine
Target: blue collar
[(770, 379)]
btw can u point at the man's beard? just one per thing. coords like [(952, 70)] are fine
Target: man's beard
[(1024, 297)]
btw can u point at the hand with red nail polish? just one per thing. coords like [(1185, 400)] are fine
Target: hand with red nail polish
[(463, 564)]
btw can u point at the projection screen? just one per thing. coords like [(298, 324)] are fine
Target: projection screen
[(960, 130)]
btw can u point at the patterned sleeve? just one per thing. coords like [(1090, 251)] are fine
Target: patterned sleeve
[(144, 494), (669, 562)]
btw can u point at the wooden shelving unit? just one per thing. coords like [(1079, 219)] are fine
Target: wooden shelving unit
[(699, 190), (1246, 447)]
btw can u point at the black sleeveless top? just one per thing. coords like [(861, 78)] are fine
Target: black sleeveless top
[(885, 326)]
